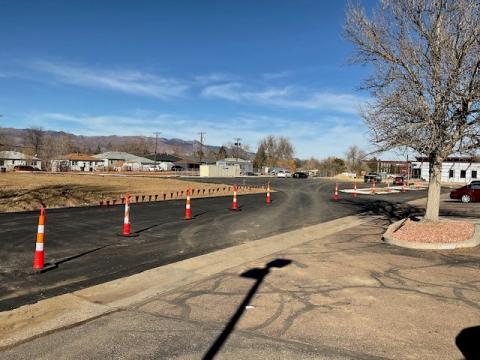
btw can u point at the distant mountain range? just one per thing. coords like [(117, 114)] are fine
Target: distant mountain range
[(19, 138)]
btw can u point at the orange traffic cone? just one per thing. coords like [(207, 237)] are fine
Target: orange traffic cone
[(127, 231), (268, 200), (234, 201), (354, 189), (336, 196), (404, 189), (39, 259), (388, 186), (373, 187), (188, 211)]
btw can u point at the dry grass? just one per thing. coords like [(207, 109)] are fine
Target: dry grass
[(28, 191)]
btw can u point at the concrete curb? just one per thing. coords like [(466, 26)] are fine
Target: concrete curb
[(60, 312), (472, 242)]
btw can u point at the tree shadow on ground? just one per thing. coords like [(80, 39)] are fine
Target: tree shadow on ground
[(391, 211), (259, 275)]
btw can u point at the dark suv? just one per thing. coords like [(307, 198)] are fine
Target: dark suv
[(467, 193), (372, 177)]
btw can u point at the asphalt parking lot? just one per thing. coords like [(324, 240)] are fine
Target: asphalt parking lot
[(85, 245)]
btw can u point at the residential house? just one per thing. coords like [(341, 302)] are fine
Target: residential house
[(75, 162), (192, 163), (122, 161), (10, 159)]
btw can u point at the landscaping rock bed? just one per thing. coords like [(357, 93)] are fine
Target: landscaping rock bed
[(424, 235)]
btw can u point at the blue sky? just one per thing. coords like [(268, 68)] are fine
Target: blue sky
[(230, 68)]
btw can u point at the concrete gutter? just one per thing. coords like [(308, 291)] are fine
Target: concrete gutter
[(60, 312)]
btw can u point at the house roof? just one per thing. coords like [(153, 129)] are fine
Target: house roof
[(164, 157), (187, 161), (79, 157), (235, 160), (15, 155), (118, 155)]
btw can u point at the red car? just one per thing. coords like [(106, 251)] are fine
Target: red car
[(399, 180), (467, 193)]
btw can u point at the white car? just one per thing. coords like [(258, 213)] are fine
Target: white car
[(284, 174)]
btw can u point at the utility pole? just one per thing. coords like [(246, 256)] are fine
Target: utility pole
[(200, 154), (237, 145), (156, 133)]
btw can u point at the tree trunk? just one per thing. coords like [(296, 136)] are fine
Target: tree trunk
[(433, 200)]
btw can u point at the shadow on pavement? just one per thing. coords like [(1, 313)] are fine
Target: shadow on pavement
[(468, 342), (258, 274), (392, 211)]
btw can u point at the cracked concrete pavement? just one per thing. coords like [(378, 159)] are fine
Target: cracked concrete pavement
[(345, 296)]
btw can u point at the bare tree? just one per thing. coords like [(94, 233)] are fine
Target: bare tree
[(35, 139), (425, 84), (260, 157), (354, 157), (222, 153), (276, 149), (331, 166), (311, 164)]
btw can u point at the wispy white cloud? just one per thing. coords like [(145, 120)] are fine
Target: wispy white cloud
[(263, 91), (319, 137), (286, 97), (212, 78), (127, 81)]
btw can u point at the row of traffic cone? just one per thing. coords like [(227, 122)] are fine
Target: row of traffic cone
[(39, 258), (336, 196)]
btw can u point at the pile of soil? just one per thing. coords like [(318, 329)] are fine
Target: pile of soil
[(440, 232), (29, 191)]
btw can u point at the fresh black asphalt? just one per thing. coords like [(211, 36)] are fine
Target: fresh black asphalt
[(85, 245)]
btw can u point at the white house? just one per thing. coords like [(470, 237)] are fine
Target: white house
[(455, 169), (10, 159), (75, 162), (117, 160), (246, 166)]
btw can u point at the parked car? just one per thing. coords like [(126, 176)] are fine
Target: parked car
[(25, 168), (300, 175), (372, 177), (399, 180), (284, 174), (177, 168), (467, 193)]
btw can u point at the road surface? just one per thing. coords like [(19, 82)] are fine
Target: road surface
[(84, 242)]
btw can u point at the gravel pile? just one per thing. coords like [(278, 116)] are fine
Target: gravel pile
[(442, 232)]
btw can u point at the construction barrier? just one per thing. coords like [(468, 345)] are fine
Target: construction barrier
[(336, 197), (188, 210), (127, 231), (268, 199), (234, 206), (39, 258)]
